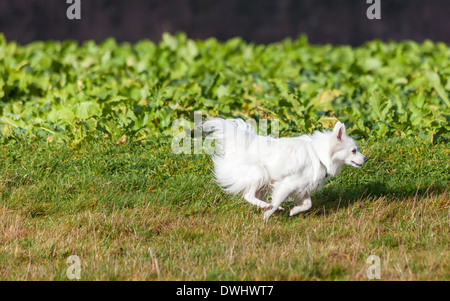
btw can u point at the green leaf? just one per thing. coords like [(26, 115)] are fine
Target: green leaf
[(436, 83), (66, 114), (86, 110)]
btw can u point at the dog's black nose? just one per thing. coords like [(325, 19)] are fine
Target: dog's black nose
[(365, 159)]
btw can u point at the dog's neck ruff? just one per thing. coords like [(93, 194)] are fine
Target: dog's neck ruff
[(326, 170)]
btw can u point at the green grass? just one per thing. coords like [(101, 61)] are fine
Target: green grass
[(138, 212)]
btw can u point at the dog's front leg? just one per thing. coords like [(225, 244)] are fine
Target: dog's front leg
[(303, 205)]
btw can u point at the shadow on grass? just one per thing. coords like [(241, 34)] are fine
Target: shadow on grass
[(332, 198)]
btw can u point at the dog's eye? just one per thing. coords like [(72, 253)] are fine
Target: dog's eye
[(354, 150)]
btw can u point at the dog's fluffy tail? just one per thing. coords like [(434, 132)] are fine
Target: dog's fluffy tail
[(219, 126), (234, 169)]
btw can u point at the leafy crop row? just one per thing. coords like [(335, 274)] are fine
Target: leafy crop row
[(64, 91)]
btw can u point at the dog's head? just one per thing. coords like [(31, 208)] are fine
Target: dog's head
[(345, 148)]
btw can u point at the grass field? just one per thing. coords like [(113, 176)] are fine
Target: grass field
[(87, 169), (139, 212)]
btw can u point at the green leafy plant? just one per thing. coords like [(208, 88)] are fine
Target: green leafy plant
[(70, 92)]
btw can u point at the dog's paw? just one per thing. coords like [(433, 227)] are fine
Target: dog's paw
[(295, 211), (266, 207), (269, 206), (267, 214)]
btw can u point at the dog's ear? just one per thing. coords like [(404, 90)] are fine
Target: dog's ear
[(339, 130)]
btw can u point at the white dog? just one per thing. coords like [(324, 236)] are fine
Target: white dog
[(254, 165)]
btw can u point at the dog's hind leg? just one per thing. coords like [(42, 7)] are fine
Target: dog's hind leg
[(279, 194), (256, 198), (260, 195), (303, 205)]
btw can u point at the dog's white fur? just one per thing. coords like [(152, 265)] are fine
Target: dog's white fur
[(254, 165)]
